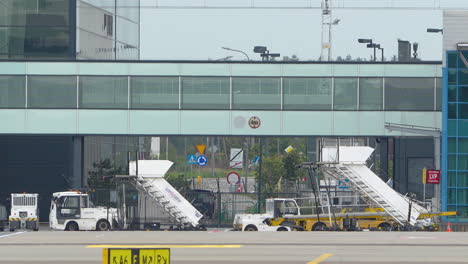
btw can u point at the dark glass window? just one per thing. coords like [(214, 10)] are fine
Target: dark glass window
[(103, 92), (155, 92), (345, 94), (307, 93), (12, 91), (35, 29), (205, 93), (256, 93), (52, 91), (452, 93), (452, 60), (409, 94), (370, 93), (463, 111)]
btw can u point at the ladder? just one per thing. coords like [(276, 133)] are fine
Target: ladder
[(157, 188), (370, 185)]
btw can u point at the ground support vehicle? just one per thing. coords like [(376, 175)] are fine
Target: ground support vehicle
[(72, 211), (3, 217), (285, 215), (24, 212)]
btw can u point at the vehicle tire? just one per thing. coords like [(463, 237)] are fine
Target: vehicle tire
[(102, 225), (12, 230), (72, 226), (282, 229), (319, 226), (250, 228), (385, 227)]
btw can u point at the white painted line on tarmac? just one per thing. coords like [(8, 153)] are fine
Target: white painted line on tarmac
[(13, 234)]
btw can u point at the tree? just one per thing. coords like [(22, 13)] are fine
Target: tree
[(102, 174), (179, 182), (348, 58), (272, 171), (290, 162)]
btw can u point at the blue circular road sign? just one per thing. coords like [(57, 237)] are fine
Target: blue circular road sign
[(202, 160)]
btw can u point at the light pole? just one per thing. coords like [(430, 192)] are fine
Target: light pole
[(334, 23), (226, 48), (375, 46)]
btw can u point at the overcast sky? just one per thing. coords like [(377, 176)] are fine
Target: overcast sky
[(199, 34)]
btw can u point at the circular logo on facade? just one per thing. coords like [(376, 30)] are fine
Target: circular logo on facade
[(239, 122), (254, 122)]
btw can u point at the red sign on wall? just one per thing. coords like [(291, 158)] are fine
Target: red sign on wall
[(433, 176)]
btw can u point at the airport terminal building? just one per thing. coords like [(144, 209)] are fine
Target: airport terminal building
[(65, 105)]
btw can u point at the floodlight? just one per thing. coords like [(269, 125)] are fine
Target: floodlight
[(365, 40), (260, 49), (435, 30)]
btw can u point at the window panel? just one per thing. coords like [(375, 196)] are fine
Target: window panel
[(452, 196), (345, 94), (463, 145), (462, 94), (439, 86), (452, 77), (452, 128), (462, 196), (370, 93), (462, 179), (452, 145), (256, 93), (409, 94), (452, 111), (12, 91), (452, 93), (452, 178), (463, 111), (103, 92), (37, 13), (463, 77), (462, 162), (452, 162), (462, 128), (452, 60), (205, 93), (35, 42), (154, 92), (307, 93), (52, 91)]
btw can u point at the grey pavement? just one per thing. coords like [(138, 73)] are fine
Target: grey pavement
[(220, 246)]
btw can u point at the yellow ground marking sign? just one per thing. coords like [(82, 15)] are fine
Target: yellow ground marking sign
[(161, 246), (320, 258), (136, 256)]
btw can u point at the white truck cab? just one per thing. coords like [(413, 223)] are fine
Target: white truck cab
[(275, 208), (72, 211), (24, 212)]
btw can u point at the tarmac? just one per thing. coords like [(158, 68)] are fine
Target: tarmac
[(223, 246)]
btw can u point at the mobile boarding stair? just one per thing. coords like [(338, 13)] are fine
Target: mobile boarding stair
[(349, 164), (148, 177)]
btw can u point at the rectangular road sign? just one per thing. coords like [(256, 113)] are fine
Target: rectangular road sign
[(236, 158), (191, 159), (433, 176), (136, 256)]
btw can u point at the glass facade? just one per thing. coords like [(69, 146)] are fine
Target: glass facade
[(222, 93), (455, 138), (37, 29)]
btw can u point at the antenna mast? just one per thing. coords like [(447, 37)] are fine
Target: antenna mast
[(325, 54)]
